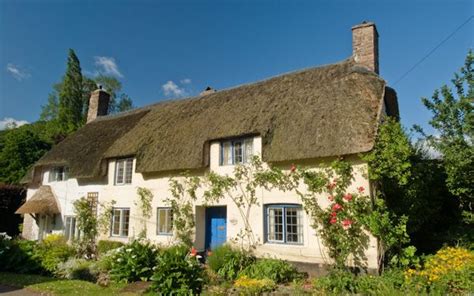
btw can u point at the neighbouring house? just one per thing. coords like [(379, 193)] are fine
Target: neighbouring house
[(305, 117)]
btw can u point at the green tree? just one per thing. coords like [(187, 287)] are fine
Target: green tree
[(124, 104), (453, 120), (71, 102)]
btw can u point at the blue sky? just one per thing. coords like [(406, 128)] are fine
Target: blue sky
[(165, 49)]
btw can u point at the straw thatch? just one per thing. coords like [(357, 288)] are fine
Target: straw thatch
[(318, 112), (42, 202)]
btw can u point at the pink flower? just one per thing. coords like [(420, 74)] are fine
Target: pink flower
[(336, 207), (293, 168), (348, 197), (360, 189), (333, 220), (331, 186), (331, 198), (193, 252), (346, 223), (333, 214)]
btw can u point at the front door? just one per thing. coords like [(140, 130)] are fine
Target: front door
[(216, 230)]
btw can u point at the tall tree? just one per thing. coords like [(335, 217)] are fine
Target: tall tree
[(71, 102), (453, 120)]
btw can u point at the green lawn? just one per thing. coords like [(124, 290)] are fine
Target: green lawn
[(58, 286)]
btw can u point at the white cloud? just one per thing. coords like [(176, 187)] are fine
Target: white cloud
[(185, 81), (108, 66), (17, 72), (171, 89), (8, 123)]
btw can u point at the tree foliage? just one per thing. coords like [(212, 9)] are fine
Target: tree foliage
[(453, 120)]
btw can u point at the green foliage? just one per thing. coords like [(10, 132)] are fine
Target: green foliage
[(104, 246), (250, 286), (88, 225), (453, 120), (52, 251), (278, 271), (19, 149), (178, 273), (77, 269), (19, 256), (71, 102), (228, 262), (145, 197), (134, 261)]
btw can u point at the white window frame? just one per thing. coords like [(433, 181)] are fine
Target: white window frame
[(58, 174), (284, 208), (125, 177), (168, 212), (245, 145), (122, 222), (71, 232)]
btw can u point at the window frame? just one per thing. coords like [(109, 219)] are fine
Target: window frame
[(71, 233), (121, 222), (54, 172), (243, 141), (124, 162), (169, 214), (284, 208)]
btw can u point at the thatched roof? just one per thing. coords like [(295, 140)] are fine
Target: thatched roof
[(318, 112), (42, 202)]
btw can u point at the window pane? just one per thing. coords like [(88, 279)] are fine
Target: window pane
[(293, 225), (226, 154), (165, 221), (275, 226), (170, 221), (119, 176), (116, 222), (248, 150), (129, 171), (238, 153), (125, 220)]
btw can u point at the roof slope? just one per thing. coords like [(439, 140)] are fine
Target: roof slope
[(317, 112), (42, 202)]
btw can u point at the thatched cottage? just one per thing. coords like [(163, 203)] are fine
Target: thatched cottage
[(305, 117)]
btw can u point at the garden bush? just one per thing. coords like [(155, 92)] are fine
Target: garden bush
[(249, 286), (178, 273), (53, 250), (228, 262), (19, 256), (276, 270), (103, 246), (77, 269), (133, 261)]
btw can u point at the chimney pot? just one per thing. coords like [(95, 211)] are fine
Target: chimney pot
[(208, 90), (98, 104), (365, 45)]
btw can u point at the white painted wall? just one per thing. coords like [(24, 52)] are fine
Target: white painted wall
[(311, 251)]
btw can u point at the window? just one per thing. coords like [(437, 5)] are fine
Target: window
[(164, 221), (123, 171), (236, 151), (120, 221), (71, 231), (284, 224), (58, 174)]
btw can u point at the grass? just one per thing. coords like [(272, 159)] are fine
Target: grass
[(58, 286)]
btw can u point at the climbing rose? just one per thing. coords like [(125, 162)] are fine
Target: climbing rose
[(333, 220), (336, 207), (361, 189), (293, 168), (193, 252), (331, 186), (333, 214), (331, 198), (348, 197), (346, 223)]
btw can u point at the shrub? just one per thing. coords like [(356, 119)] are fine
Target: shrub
[(133, 261), (52, 251), (274, 269), (178, 273), (249, 286), (228, 262), (104, 246), (77, 269), (19, 256)]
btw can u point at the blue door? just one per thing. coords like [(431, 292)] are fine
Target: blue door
[(216, 228)]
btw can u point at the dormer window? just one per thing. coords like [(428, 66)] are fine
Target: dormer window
[(57, 174), (123, 171), (236, 151)]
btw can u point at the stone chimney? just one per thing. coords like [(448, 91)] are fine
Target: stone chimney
[(98, 104), (365, 46), (208, 90)]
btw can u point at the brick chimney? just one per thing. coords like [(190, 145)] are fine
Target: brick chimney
[(98, 104), (365, 46)]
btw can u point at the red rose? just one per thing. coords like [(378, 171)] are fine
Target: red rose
[(360, 189), (348, 197), (346, 223), (293, 168), (336, 207), (333, 214), (333, 220)]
